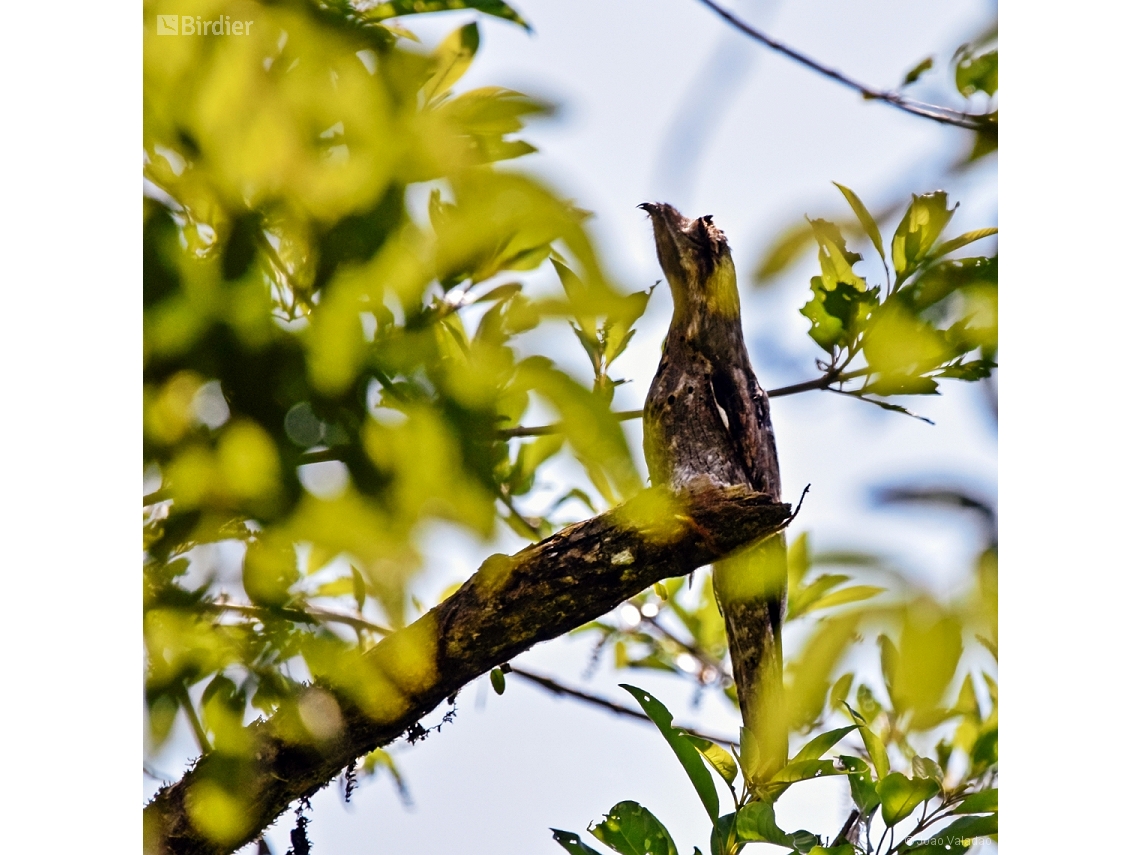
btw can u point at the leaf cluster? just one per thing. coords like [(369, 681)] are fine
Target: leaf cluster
[(337, 288), (933, 318), (921, 768)]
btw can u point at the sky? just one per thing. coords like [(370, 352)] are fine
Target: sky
[(659, 100)]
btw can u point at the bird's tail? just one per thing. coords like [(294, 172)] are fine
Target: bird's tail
[(751, 586)]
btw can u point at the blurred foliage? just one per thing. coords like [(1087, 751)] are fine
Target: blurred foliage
[(331, 345)]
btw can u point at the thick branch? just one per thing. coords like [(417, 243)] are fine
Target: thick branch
[(943, 115), (509, 605)]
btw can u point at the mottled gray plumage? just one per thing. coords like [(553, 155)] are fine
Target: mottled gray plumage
[(706, 417), (706, 423)]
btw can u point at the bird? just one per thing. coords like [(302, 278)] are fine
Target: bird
[(707, 424)]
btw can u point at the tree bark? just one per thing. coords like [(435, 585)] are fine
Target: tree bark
[(510, 604)]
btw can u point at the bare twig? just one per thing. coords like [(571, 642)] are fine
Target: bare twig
[(618, 709), (700, 655), (822, 382), (543, 430), (195, 723), (943, 115), (515, 514), (311, 614), (852, 818)]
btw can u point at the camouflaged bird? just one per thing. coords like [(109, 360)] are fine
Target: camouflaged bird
[(706, 424)]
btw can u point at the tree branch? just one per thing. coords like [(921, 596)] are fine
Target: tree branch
[(309, 614), (557, 688), (365, 700), (943, 115)]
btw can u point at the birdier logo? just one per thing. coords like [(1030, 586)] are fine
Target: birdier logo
[(193, 25)]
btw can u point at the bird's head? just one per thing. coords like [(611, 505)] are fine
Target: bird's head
[(696, 260)]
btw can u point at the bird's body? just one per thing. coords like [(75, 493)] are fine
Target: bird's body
[(706, 424)]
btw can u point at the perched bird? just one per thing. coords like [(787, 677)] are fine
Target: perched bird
[(706, 424)]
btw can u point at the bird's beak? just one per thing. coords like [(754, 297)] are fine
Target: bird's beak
[(668, 226)]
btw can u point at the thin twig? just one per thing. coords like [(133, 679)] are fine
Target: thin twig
[(894, 408), (700, 655), (195, 723), (944, 115), (852, 818), (543, 430), (312, 614), (322, 455), (618, 709), (516, 515), (160, 495), (822, 382)]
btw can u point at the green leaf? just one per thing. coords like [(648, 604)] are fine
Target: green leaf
[(929, 649), (873, 744), (837, 314), (529, 457), (918, 71), (971, 826), (809, 675), (498, 681), (924, 767), (888, 662), (983, 801), (862, 784), (789, 246), (840, 690), (572, 843), (869, 705), (686, 752), (920, 227), (359, 591), (716, 756), (805, 770), (834, 258), (900, 347), (900, 795), (962, 240), (452, 58), (823, 743), (977, 73), (756, 823), (589, 426), (799, 560), (630, 829), (804, 841), (838, 849), (800, 599), (865, 218), (500, 293), (852, 594), (400, 8), (985, 751)]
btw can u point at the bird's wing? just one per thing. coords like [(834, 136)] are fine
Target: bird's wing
[(744, 408)]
